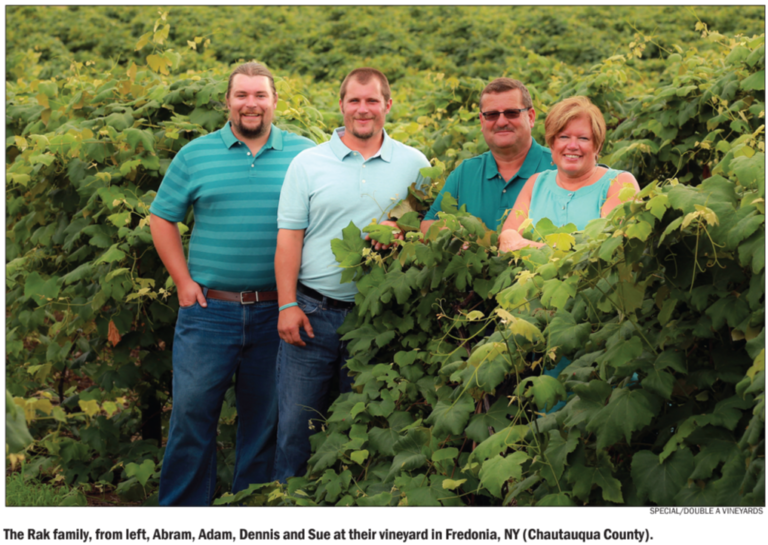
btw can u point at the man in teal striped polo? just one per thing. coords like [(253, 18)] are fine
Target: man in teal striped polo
[(227, 323)]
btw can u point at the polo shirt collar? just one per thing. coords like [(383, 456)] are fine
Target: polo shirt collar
[(532, 160), (341, 150), (491, 168), (275, 140), (528, 168)]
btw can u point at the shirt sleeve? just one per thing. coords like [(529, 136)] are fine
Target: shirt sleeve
[(293, 210), (451, 186), (422, 162), (173, 196)]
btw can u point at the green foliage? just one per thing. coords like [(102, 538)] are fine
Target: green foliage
[(659, 307), (448, 337), (24, 491), (91, 308), (645, 399), (321, 42), (706, 112), (17, 436)]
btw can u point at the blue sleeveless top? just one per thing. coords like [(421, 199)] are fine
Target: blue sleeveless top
[(562, 207)]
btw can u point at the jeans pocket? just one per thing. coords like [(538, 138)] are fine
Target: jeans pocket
[(189, 306), (306, 304)]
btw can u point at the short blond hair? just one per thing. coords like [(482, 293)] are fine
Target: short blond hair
[(569, 109)]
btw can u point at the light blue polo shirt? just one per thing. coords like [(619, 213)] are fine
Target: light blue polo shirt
[(477, 183), (234, 195), (330, 185)]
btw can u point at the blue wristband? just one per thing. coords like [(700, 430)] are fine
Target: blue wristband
[(289, 305)]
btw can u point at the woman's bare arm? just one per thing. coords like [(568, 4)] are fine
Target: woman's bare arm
[(510, 238), (612, 199)]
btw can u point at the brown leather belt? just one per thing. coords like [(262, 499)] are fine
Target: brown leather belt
[(243, 297)]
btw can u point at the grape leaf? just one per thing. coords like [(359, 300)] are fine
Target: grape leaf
[(328, 452), (451, 416), (499, 469), (408, 454), (661, 482), (584, 477), (591, 400), (565, 333), (627, 411), (546, 391), (495, 418), (556, 500)]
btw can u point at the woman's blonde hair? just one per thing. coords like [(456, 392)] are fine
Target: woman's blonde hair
[(569, 109)]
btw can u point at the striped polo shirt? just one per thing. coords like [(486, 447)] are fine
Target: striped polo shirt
[(234, 196)]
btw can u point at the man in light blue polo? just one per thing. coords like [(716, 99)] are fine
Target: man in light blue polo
[(489, 183), (227, 323), (356, 176)]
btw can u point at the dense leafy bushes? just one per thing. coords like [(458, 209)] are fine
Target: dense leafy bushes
[(670, 288), (322, 42)]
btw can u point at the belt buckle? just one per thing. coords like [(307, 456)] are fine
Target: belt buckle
[(242, 302)]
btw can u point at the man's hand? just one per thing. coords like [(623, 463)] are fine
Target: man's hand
[(287, 264), (165, 235), (510, 240), (288, 324), (378, 245), (189, 293)]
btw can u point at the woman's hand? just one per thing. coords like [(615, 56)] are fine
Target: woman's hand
[(510, 240)]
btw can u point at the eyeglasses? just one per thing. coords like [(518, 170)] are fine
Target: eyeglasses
[(512, 113)]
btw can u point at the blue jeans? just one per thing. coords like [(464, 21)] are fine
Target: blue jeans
[(210, 345), (304, 378)]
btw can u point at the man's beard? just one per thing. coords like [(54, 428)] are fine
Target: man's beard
[(247, 132), (360, 135)]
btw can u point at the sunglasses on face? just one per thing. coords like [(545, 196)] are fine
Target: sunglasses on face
[(512, 113)]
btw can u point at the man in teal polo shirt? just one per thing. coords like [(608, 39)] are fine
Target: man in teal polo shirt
[(489, 183), (357, 176), (227, 323)]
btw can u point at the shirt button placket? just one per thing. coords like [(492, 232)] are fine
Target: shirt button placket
[(362, 176), (568, 201)]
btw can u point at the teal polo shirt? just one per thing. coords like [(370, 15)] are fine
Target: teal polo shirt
[(330, 185), (477, 183), (234, 195)]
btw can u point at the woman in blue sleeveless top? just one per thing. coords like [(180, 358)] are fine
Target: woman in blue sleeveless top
[(578, 191)]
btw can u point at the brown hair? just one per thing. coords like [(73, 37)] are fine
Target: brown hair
[(569, 109), (502, 85), (252, 69), (363, 76)]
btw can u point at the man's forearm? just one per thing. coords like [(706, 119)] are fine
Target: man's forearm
[(287, 263), (167, 240), (425, 225)]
